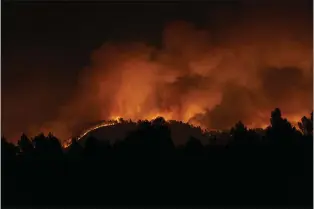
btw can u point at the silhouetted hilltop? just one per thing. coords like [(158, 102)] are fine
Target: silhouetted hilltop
[(267, 168), (180, 132)]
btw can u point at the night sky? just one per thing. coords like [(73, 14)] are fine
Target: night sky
[(49, 43)]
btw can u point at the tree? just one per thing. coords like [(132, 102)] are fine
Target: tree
[(306, 125), (25, 145), (276, 119), (41, 146), (75, 150), (8, 150), (55, 147), (239, 133), (281, 130), (159, 121)]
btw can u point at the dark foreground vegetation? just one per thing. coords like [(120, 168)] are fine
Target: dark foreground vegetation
[(273, 169)]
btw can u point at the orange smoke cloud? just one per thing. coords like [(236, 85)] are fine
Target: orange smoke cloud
[(210, 77)]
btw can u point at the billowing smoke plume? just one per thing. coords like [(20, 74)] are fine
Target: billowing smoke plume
[(238, 67)]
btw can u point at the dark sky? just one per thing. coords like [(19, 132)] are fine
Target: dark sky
[(66, 33), (49, 43), (56, 39), (59, 37)]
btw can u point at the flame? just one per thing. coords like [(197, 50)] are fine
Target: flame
[(191, 77), (68, 142), (117, 119)]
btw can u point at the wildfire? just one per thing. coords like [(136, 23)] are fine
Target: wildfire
[(193, 79), (117, 119), (68, 142)]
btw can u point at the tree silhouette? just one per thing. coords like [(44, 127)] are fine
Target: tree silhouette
[(75, 150), (9, 151), (239, 133), (25, 146), (306, 125), (281, 131), (272, 167)]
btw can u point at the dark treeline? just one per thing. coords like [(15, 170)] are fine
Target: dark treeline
[(273, 169)]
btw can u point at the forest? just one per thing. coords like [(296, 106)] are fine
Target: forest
[(272, 167)]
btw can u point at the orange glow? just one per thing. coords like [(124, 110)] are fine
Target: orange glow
[(197, 78), (115, 120), (67, 143)]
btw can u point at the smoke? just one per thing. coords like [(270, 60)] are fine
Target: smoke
[(237, 67)]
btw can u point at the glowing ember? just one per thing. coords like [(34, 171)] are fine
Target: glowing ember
[(110, 123), (208, 77)]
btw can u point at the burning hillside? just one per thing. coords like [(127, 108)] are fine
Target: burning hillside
[(210, 76), (114, 130)]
